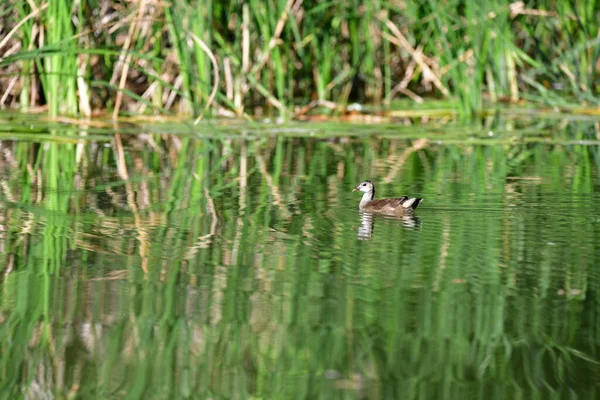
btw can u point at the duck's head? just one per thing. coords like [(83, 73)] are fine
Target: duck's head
[(365, 186)]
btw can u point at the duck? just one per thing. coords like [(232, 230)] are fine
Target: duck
[(392, 206)]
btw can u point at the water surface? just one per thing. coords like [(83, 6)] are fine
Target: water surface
[(233, 263)]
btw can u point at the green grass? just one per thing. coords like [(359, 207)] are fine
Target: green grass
[(271, 57)]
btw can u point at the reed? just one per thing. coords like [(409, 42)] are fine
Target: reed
[(87, 56)]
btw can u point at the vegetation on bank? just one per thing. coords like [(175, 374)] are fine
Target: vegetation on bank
[(288, 56)]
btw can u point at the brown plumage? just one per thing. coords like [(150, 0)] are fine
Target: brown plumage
[(394, 206)]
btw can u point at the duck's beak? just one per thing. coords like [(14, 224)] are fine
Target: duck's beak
[(355, 189)]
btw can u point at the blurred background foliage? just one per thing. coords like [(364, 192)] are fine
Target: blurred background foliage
[(284, 57)]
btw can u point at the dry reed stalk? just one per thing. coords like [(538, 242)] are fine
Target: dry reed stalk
[(417, 56), (518, 8), (402, 86), (264, 57), (213, 60), (34, 13), (316, 103), (125, 60), (229, 83), (412, 95), (10, 86), (270, 98)]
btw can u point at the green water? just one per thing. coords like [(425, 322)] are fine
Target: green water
[(233, 263)]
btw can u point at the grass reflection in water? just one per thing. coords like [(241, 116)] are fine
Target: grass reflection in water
[(233, 268)]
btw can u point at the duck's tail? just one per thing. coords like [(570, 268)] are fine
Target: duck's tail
[(412, 203)]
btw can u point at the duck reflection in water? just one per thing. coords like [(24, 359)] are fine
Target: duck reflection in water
[(367, 224)]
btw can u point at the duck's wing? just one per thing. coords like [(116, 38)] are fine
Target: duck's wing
[(411, 202), (400, 204)]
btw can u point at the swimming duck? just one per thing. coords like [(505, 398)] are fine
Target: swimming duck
[(396, 206)]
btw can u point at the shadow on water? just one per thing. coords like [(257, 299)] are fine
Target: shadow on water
[(235, 268)]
